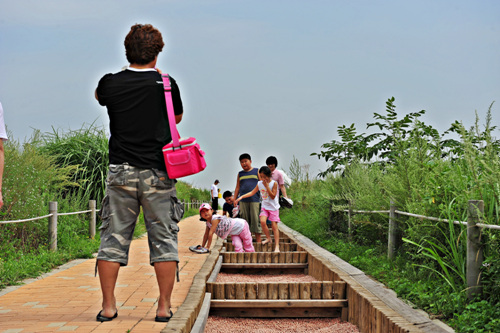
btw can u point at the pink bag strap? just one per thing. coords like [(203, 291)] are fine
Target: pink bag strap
[(170, 110)]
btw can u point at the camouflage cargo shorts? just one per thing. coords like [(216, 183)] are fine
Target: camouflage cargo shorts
[(128, 188)]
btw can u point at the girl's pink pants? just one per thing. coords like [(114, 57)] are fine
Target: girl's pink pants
[(243, 241)]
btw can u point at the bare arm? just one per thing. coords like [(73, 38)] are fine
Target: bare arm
[(237, 189), (205, 237), (283, 190), (211, 232), (247, 195), (178, 118), (272, 192)]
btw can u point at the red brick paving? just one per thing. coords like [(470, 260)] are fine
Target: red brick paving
[(70, 299)]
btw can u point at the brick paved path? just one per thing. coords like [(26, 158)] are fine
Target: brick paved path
[(70, 298)]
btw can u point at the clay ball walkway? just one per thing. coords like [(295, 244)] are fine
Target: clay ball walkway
[(69, 298)]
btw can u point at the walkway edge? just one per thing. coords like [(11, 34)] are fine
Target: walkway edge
[(184, 318), (360, 284)]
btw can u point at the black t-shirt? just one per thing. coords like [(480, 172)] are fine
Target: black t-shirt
[(138, 117), (229, 208)]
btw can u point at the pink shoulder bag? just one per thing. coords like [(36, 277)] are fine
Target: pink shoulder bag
[(183, 157)]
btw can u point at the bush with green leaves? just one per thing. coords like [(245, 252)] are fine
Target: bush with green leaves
[(421, 171)]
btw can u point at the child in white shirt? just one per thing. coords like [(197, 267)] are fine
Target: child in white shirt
[(223, 226), (270, 204)]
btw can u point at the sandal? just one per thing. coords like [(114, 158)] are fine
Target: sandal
[(164, 319), (102, 318)]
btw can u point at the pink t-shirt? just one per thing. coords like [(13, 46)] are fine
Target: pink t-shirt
[(277, 177)]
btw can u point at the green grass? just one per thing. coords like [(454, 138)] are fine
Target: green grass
[(67, 167)]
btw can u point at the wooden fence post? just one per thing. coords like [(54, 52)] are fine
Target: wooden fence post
[(393, 231), (349, 216), (92, 223), (53, 226), (474, 248)]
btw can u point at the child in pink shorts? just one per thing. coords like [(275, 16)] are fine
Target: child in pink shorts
[(270, 205), (223, 226)]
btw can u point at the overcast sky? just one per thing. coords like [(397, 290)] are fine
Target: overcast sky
[(263, 77)]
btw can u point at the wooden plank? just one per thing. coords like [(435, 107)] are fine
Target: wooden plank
[(216, 270), (240, 290), (277, 312), (305, 290), (294, 290), (226, 257), (327, 290), (263, 266), (219, 290), (268, 258), (262, 291), (254, 257), (230, 290), (240, 257), (272, 290), (233, 258), (283, 291), (251, 290), (339, 289), (271, 303), (316, 290)]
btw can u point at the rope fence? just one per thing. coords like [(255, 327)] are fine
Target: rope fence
[(92, 211), (475, 212)]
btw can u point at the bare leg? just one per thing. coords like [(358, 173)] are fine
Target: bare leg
[(258, 238), (276, 233), (263, 224), (108, 274), (165, 275)]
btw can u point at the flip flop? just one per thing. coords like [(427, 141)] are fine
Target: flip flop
[(201, 250), (164, 319), (102, 318), (194, 248)]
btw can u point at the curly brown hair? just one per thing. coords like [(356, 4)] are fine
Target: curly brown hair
[(142, 44)]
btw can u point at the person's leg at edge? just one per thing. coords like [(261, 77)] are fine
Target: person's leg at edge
[(276, 233), (238, 245), (246, 237), (263, 224), (255, 218), (165, 275), (108, 274)]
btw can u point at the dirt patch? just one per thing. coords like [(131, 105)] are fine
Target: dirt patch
[(245, 325)]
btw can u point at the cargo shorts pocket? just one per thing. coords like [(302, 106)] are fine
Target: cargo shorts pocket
[(116, 175), (176, 209), (161, 181)]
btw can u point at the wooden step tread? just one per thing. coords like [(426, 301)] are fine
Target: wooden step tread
[(276, 303)]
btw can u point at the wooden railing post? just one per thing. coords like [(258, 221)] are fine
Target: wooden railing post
[(53, 226), (349, 216), (474, 248), (92, 222), (393, 231)]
